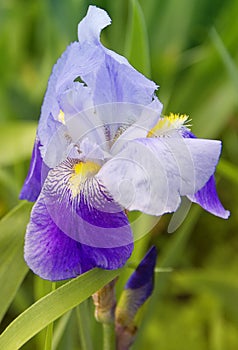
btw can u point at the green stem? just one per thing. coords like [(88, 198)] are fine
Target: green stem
[(49, 330), (84, 329), (108, 336)]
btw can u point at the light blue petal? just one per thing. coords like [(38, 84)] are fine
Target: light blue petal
[(75, 62), (146, 118), (118, 82), (75, 99), (150, 175), (107, 77), (66, 139), (113, 78), (90, 27)]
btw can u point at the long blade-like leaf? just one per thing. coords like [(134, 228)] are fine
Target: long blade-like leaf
[(52, 306), (137, 46)]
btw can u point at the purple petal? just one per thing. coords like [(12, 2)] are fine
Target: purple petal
[(53, 255), (32, 185), (84, 210), (186, 133), (208, 199), (144, 273)]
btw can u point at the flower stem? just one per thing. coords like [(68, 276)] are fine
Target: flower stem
[(83, 321), (108, 336), (49, 330)]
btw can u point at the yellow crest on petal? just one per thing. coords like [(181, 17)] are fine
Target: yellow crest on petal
[(82, 171), (169, 123), (61, 117)]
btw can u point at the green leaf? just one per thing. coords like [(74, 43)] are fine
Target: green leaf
[(16, 141), (52, 306), (12, 266), (49, 330), (60, 329), (137, 45), (225, 56), (83, 317)]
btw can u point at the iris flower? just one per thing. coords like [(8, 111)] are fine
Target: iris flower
[(102, 148)]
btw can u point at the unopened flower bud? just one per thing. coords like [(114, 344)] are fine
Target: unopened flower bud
[(137, 290), (105, 302)]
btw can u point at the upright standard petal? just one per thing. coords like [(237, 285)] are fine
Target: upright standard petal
[(150, 175), (90, 27), (73, 63), (108, 76), (113, 79)]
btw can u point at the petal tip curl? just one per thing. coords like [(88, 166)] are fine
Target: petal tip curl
[(90, 27)]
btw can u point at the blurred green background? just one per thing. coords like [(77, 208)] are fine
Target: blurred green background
[(190, 49)]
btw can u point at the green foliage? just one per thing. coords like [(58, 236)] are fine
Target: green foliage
[(52, 306), (17, 138), (189, 48), (137, 46), (12, 266)]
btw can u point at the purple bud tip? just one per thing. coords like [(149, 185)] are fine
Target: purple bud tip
[(144, 274)]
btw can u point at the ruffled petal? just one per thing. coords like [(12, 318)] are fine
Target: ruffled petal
[(73, 63), (118, 82), (107, 78), (53, 255), (150, 175), (114, 79), (208, 199), (33, 182)]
